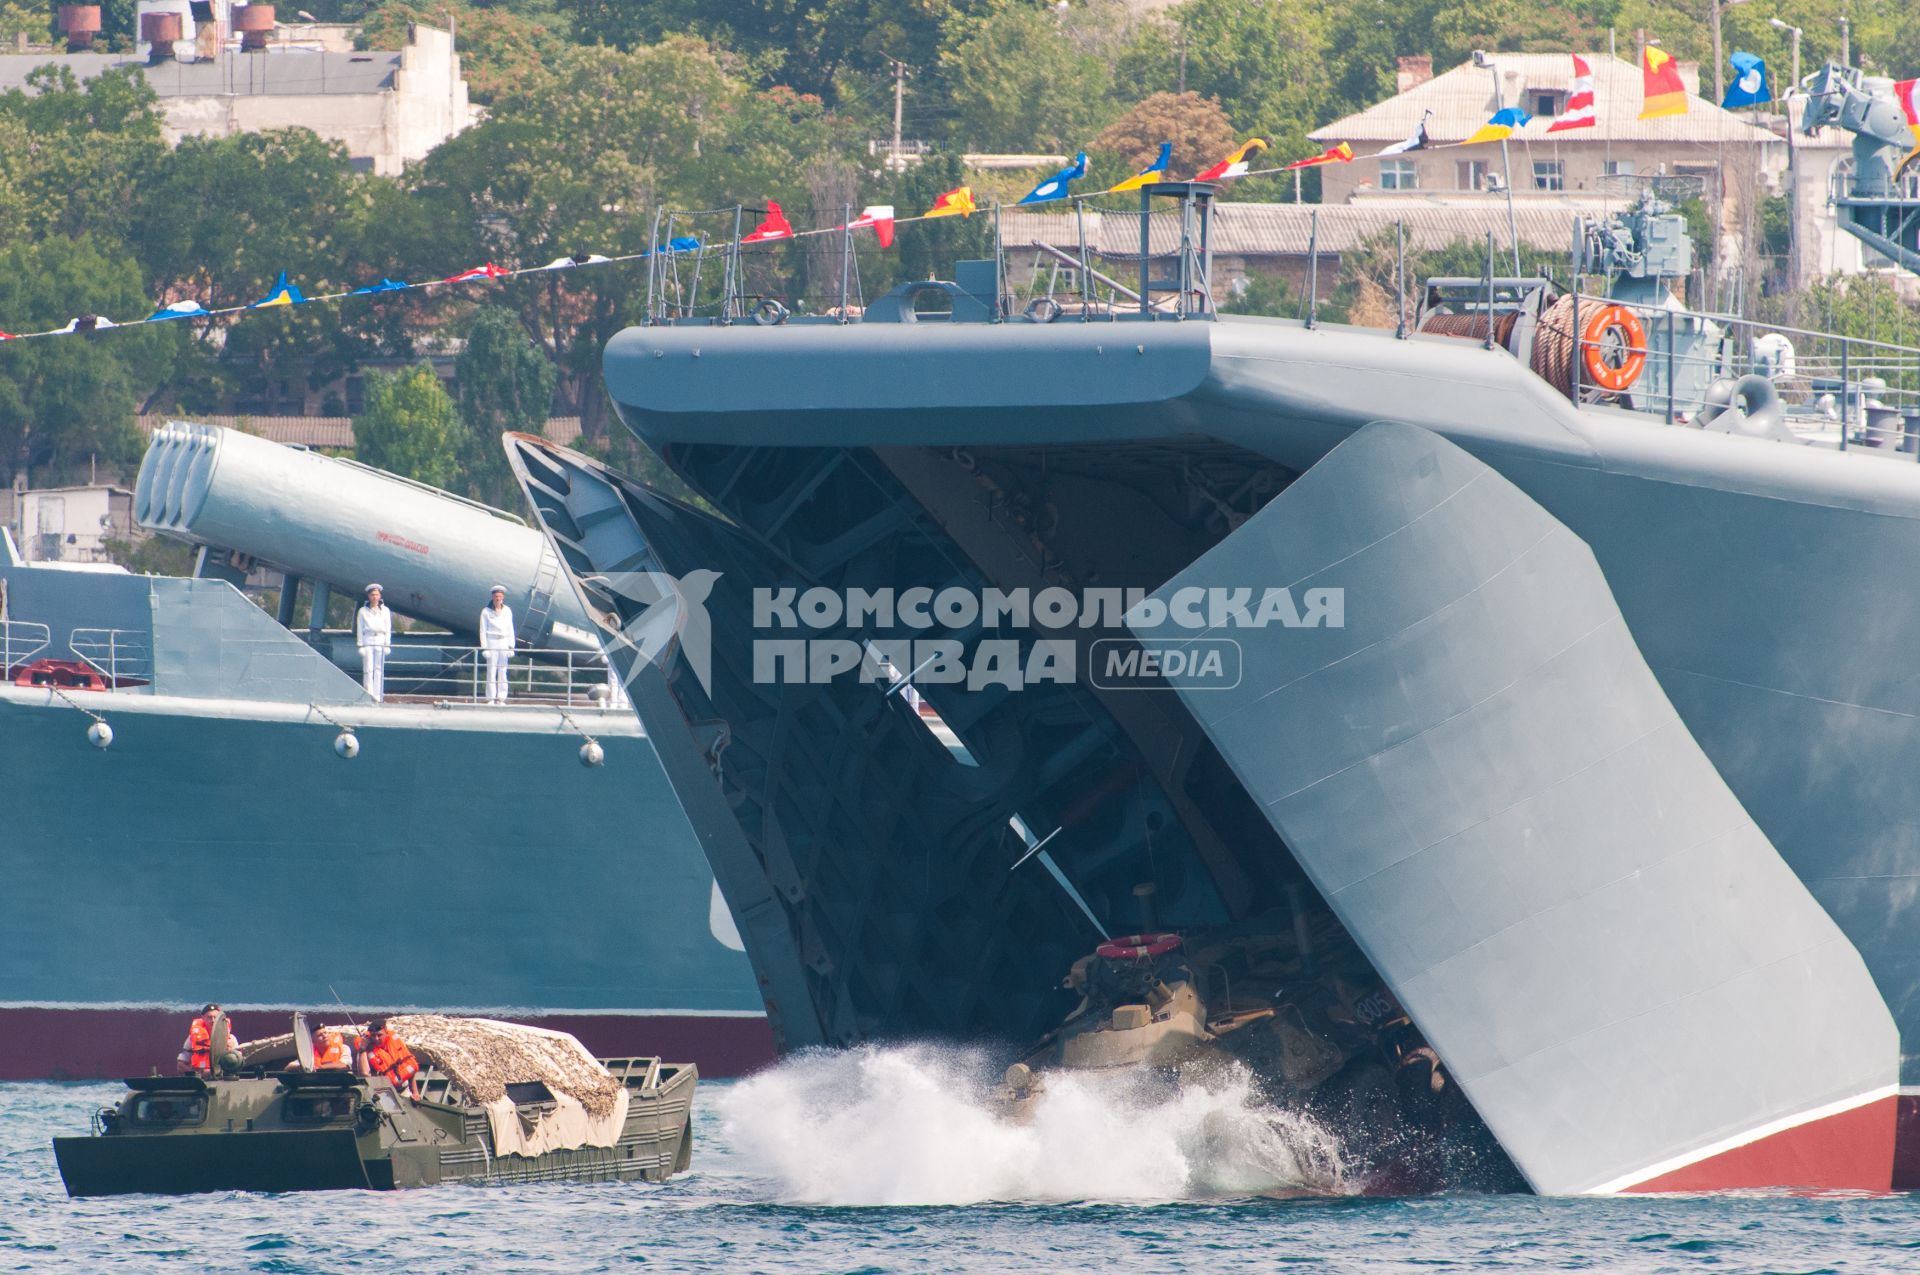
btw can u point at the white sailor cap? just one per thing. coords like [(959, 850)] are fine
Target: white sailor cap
[(375, 585), (498, 588)]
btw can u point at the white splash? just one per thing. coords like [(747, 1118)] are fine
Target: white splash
[(925, 1125)]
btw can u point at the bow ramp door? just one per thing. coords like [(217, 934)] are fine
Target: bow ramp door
[(1483, 777)]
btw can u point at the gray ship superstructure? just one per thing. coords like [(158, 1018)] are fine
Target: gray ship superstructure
[(204, 804), (1605, 769)]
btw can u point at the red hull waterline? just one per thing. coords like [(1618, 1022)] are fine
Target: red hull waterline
[(1850, 1148), (108, 1044)]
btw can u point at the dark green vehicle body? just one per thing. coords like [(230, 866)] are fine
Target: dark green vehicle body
[(326, 1130)]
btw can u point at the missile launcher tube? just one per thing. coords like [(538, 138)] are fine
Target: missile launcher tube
[(346, 524)]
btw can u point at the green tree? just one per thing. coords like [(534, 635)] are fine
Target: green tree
[(33, 21), (217, 219), (1200, 132), (500, 45), (578, 159), (410, 427), (1266, 63), (64, 399), (839, 50), (506, 386), (928, 249), (1027, 78), (76, 153)]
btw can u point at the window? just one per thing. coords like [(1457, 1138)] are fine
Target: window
[(1399, 174), (169, 1108), (1546, 103), (319, 1106), (1549, 174), (1470, 174), (1617, 167)]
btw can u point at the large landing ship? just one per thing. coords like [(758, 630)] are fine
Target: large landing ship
[(1591, 796), (202, 805)]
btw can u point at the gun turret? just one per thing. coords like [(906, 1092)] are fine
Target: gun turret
[(1885, 141), (1846, 97)]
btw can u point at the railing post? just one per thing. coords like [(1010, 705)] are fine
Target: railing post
[(1313, 268), (1489, 343), (1080, 224), (1670, 385), (1579, 350), (1146, 246), (1400, 279), (846, 256), (1846, 388)]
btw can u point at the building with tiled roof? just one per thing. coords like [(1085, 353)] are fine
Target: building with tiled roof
[(1738, 156), (1725, 149)]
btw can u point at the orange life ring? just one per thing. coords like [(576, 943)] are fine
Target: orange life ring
[(1632, 344), (1138, 947)]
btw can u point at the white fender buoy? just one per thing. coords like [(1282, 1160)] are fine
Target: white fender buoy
[(100, 734), (591, 754), (347, 744)]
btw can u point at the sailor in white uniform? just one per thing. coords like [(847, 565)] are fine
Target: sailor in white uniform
[(496, 643), (373, 634)]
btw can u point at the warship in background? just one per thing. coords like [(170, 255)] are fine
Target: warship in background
[(203, 803), (1597, 808)]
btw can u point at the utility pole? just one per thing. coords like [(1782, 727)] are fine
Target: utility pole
[(1793, 162), (1480, 58), (1719, 51), (894, 163), (1719, 58)]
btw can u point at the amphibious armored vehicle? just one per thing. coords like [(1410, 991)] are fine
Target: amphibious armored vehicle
[(497, 1103)]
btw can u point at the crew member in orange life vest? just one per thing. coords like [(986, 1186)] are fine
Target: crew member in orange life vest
[(331, 1051), (196, 1051), (385, 1054)]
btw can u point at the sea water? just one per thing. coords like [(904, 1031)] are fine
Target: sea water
[(909, 1159)]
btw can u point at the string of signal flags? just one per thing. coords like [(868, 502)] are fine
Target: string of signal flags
[(774, 227), (1663, 94)]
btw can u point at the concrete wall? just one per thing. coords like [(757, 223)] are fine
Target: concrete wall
[(70, 524), (385, 130)]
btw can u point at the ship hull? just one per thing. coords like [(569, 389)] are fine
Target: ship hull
[(101, 1043), (1751, 579), (464, 861)]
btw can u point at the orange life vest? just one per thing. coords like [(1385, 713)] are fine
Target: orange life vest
[(200, 1045), (390, 1057), (330, 1052)]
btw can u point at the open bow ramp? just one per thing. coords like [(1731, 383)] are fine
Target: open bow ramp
[(1478, 773), (1486, 782)]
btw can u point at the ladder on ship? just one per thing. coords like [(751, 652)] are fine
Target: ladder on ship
[(546, 579)]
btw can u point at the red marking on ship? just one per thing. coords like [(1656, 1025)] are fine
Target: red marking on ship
[(401, 542), (1849, 1149)]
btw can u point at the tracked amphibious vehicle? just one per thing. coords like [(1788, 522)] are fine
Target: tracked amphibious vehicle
[(1602, 765), (271, 1122)]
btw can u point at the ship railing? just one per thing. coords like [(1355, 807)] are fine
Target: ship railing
[(122, 656), (1846, 187), (1833, 390), (20, 641), (1145, 256), (555, 677)]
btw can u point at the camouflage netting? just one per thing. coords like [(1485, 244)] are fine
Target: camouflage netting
[(483, 1056)]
